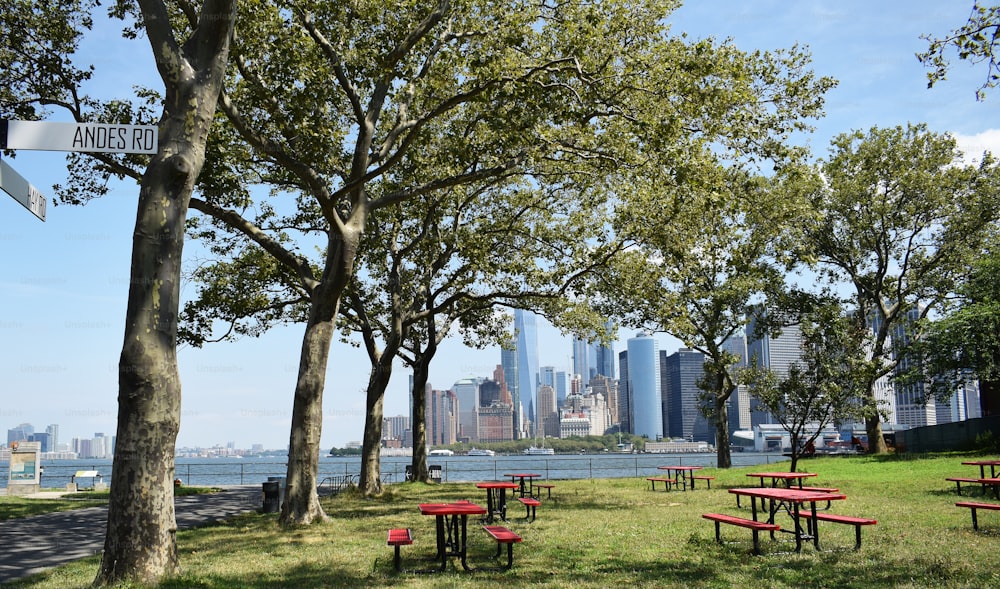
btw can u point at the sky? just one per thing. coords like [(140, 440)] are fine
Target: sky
[(64, 282)]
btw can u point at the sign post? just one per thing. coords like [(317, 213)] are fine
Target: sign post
[(82, 137), (25, 468), (23, 192)]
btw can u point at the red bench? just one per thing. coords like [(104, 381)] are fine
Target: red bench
[(666, 482), (702, 477), (503, 536), (754, 526), (974, 506), (959, 480), (399, 537), (857, 522), (530, 504), (548, 487)]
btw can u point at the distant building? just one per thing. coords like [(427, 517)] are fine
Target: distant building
[(682, 370), (644, 386)]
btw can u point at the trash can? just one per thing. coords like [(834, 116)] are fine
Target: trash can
[(435, 472), (272, 496), (281, 489)]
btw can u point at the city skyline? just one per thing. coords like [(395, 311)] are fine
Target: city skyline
[(64, 282)]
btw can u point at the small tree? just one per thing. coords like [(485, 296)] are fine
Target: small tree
[(823, 388)]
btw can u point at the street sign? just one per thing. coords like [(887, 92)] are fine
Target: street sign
[(23, 192), (85, 137)]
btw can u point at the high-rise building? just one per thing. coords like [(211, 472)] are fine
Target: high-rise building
[(644, 386), (548, 413), (914, 407), (608, 389), (527, 362), (53, 431), (20, 433), (777, 354), (739, 400), (562, 387), (395, 427), (442, 418), (682, 370), (624, 394), (467, 391)]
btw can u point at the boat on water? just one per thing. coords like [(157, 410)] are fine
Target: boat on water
[(441, 452), (539, 451), (480, 452)]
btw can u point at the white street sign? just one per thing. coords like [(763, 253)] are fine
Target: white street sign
[(23, 192), (86, 137)]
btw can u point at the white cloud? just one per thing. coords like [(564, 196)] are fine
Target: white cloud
[(973, 146)]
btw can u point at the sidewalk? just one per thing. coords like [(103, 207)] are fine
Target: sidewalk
[(33, 544)]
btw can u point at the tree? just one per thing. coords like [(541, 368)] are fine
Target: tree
[(327, 100), (977, 41), (964, 344), (140, 542), (824, 386), (707, 257), (899, 220)]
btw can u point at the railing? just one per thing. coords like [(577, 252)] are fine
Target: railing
[(452, 468)]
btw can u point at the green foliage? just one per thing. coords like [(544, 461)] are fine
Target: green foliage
[(976, 41), (899, 219)]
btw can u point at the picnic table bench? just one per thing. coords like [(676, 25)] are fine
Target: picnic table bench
[(399, 537), (755, 526), (974, 506), (959, 480), (702, 477), (547, 486), (503, 536), (857, 522), (530, 504), (666, 482)]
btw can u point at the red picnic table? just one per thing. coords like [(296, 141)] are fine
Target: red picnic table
[(451, 520), (496, 498), (525, 489), (789, 500), (681, 474)]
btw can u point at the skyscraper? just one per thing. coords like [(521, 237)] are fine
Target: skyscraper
[(775, 353), (624, 394), (644, 386), (527, 361), (467, 392), (682, 370)]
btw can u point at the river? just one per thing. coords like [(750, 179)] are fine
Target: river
[(247, 471)]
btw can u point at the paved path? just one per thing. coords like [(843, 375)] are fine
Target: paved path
[(33, 544)]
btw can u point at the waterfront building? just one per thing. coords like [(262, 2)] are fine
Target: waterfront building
[(682, 370), (644, 386), (527, 361), (624, 394), (776, 353), (467, 392), (20, 433), (574, 424), (442, 418), (608, 389), (548, 412)]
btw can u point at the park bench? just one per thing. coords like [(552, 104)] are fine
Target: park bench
[(530, 505), (547, 486), (974, 506), (959, 480), (702, 477), (503, 536), (666, 482), (857, 522), (755, 526), (399, 537)]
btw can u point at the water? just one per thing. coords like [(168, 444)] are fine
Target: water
[(248, 471)]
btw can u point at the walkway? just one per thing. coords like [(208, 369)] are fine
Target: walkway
[(33, 544)]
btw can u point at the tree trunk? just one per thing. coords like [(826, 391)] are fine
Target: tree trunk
[(140, 541), (301, 504), (418, 463), (371, 448), (723, 454), (876, 443)]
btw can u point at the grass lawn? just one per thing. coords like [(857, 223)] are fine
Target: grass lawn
[(614, 533)]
